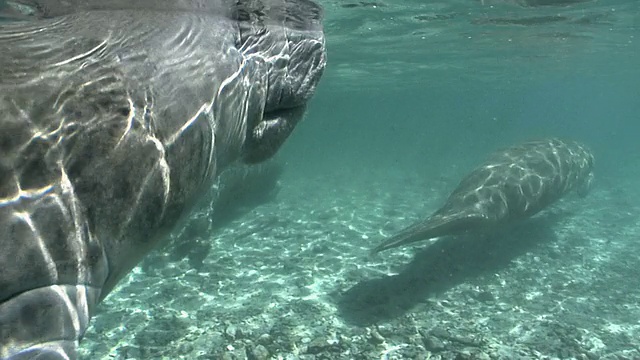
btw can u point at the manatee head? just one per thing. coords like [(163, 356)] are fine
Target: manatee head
[(282, 40), (291, 41)]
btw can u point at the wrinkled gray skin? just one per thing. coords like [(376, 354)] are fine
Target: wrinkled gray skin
[(114, 117), (514, 184)]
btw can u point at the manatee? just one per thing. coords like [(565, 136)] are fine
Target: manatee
[(115, 117), (514, 184)]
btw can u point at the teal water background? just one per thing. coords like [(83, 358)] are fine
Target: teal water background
[(413, 84)]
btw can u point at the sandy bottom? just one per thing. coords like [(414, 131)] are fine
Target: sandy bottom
[(292, 279)]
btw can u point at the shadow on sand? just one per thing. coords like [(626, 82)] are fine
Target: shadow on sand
[(440, 267)]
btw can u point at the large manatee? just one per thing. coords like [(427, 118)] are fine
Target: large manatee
[(114, 117)]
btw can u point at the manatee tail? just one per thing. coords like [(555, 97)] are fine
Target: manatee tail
[(432, 227)]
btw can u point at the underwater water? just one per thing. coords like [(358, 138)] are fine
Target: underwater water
[(416, 94)]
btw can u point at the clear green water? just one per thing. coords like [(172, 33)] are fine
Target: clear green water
[(411, 82)]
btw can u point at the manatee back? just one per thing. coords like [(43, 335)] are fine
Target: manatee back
[(53, 8), (522, 180)]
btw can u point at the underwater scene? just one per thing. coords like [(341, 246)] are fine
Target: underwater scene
[(463, 184)]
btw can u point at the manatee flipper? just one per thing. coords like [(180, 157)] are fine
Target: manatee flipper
[(432, 227), (266, 137)]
